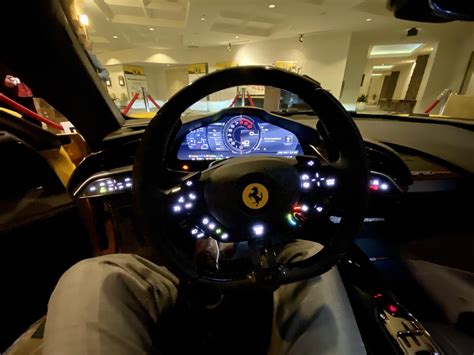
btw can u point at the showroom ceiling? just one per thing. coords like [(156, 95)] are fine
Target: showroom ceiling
[(160, 24)]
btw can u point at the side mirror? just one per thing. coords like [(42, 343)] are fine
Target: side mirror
[(453, 9)]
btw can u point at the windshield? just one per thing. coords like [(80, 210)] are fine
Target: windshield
[(371, 61), (146, 51)]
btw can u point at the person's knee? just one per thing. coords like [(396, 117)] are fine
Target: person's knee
[(299, 250), (90, 275), (87, 268)]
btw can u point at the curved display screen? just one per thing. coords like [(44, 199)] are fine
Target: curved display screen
[(236, 136)]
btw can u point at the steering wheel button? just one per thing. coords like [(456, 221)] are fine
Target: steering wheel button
[(291, 220), (192, 196), (188, 206), (211, 226), (306, 185), (205, 220), (224, 236), (181, 199), (330, 182), (258, 229)]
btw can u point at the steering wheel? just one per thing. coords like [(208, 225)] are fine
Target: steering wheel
[(262, 201)]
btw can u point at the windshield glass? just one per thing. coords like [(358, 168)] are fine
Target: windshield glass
[(374, 63)]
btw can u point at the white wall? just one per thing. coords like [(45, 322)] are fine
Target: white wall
[(176, 79), (446, 67), (356, 63), (470, 88), (375, 88), (459, 67), (403, 81), (116, 90), (321, 56), (156, 80), (457, 36)]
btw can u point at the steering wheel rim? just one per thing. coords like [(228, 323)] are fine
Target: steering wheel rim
[(151, 175)]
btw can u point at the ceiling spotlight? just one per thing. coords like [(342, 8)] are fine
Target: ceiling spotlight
[(271, 6), (151, 29), (84, 20), (301, 38), (236, 37), (168, 65), (203, 18), (114, 36), (229, 46), (368, 19)]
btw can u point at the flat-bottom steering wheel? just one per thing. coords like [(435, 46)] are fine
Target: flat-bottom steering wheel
[(290, 191)]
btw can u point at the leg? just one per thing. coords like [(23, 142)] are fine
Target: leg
[(313, 316), (108, 305)]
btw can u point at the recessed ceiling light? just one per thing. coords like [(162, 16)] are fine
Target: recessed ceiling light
[(167, 65), (114, 37), (236, 37), (203, 18), (151, 29), (382, 67), (368, 19), (271, 6), (394, 50)]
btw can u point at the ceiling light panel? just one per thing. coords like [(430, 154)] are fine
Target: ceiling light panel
[(394, 50), (382, 67)]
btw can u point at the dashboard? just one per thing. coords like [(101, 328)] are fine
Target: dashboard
[(235, 132), (237, 135)]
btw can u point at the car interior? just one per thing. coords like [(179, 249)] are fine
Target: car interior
[(249, 157)]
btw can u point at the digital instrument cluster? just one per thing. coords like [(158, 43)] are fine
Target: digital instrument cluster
[(238, 135)]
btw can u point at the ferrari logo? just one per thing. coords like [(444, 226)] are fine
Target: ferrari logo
[(255, 196)]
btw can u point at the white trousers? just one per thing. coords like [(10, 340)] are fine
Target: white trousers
[(111, 304)]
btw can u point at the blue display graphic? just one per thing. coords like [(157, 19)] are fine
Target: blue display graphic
[(238, 136)]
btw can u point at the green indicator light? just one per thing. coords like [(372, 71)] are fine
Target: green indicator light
[(291, 220), (103, 190), (218, 231)]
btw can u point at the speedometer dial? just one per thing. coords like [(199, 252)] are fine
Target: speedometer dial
[(241, 134)]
